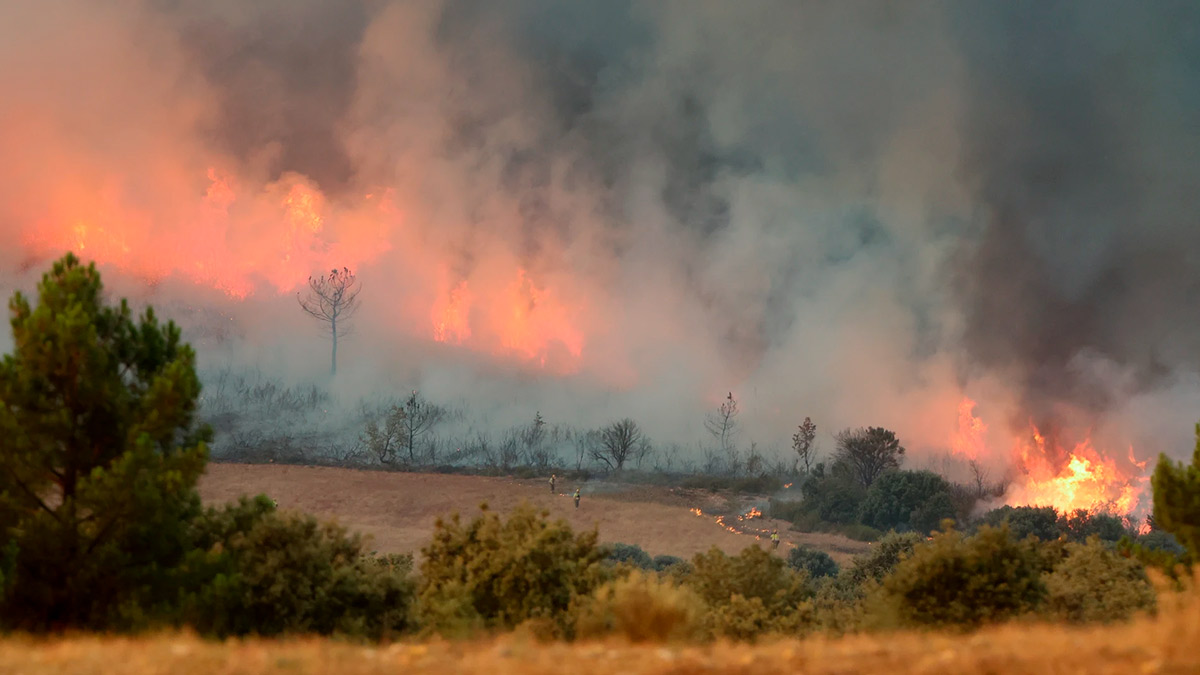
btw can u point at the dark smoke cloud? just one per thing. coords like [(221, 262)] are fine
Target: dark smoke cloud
[(1082, 149), (857, 211)]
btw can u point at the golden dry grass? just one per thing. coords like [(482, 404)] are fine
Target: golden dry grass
[(398, 509), (1164, 644)]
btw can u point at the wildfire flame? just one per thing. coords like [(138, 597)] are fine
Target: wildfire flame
[(1085, 479), (243, 241), (1051, 475), (969, 441)]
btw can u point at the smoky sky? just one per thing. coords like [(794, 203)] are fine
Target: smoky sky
[(850, 210), (1083, 147)]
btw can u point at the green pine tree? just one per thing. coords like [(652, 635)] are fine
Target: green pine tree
[(1177, 498), (99, 457)]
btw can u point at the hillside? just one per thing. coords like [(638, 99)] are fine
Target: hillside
[(399, 509)]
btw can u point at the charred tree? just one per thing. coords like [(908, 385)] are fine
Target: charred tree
[(332, 300)]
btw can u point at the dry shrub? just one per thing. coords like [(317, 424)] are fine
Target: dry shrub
[(641, 607), (1093, 583)]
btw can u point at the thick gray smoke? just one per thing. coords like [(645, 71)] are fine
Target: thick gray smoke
[(858, 211), (1082, 149)]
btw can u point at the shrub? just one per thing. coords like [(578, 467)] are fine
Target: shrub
[(665, 563), (789, 510), (1081, 524), (883, 557), (752, 588), (834, 495), (839, 602), (256, 571), (641, 608), (954, 580), (816, 563), (907, 500), (1158, 540), (1095, 584), (858, 532), (495, 574), (1177, 498), (1022, 521), (631, 554)]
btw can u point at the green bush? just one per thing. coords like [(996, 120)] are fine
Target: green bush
[(751, 593), (495, 574), (631, 554), (1177, 498), (1022, 521), (883, 557), (857, 532), (1093, 583), (839, 603), (816, 563), (835, 496), (961, 581), (641, 608), (256, 571), (666, 563), (100, 457), (1081, 524), (789, 510), (1158, 540), (907, 500)]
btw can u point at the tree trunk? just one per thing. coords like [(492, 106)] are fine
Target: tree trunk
[(333, 358)]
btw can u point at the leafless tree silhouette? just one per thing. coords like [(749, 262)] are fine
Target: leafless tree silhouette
[(804, 443), (620, 442), (332, 299)]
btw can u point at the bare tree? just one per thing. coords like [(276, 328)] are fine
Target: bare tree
[(620, 442), (869, 452), (404, 427), (418, 418), (804, 443), (332, 299), (722, 424)]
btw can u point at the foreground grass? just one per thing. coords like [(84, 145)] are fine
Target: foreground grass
[(1166, 643)]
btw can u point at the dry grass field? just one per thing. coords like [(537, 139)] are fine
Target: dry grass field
[(398, 509), (1164, 644)]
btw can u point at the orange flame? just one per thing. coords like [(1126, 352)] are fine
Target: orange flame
[(1051, 475), (969, 441), (1085, 480), (450, 315)]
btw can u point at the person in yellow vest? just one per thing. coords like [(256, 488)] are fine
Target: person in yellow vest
[(552, 479), (576, 497), (774, 539)]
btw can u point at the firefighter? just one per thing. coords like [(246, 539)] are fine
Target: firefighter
[(774, 539), (552, 479), (576, 495)]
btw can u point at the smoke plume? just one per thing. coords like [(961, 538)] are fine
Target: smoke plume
[(856, 211)]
